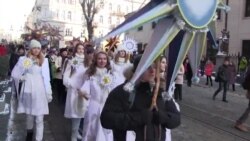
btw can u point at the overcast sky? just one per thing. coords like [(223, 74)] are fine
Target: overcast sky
[(12, 12)]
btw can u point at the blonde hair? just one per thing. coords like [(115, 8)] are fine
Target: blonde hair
[(40, 57)]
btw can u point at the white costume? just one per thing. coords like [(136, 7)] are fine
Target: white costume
[(74, 83), (35, 92), (76, 106), (120, 67), (98, 88), (35, 89)]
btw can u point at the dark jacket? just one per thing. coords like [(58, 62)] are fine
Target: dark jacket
[(188, 71), (247, 79), (120, 115), (223, 73), (12, 62)]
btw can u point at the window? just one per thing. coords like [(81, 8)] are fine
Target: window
[(110, 20), (57, 13), (110, 6), (127, 9), (117, 20), (69, 15), (153, 25), (247, 9), (101, 19), (218, 14), (118, 8), (68, 32), (246, 48), (101, 4), (140, 28), (63, 15), (70, 1), (82, 34)]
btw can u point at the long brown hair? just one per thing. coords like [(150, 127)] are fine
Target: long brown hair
[(127, 57), (40, 57), (92, 69)]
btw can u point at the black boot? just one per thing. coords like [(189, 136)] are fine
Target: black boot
[(29, 135)]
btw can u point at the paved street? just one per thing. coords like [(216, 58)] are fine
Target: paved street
[(202, 118)]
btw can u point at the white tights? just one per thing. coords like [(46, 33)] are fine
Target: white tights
[(39, 125)]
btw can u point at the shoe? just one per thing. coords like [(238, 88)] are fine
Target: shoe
[(29, 135), (225, 101), (241, 127)]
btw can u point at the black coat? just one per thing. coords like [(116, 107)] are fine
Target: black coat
[(247, 79), (119, 115), (223, 73)]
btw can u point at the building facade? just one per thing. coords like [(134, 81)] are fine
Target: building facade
[(67, 15)]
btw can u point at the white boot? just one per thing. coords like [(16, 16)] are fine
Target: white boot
[(39, 128), (75, 127)]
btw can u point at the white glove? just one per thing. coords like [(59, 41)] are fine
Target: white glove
[(49, 95), (23, 78), (49, 98)]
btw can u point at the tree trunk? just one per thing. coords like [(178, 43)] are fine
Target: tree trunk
[(90, 31)]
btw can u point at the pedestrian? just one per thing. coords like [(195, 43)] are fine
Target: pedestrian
[(124, 111), (222, 77), (73, 79), (232, 75), (100, 80), (243, 65), (188, 72), (179, 83), (33, 71), (202, 65), (240, 122), (121, 61), (208, 72)]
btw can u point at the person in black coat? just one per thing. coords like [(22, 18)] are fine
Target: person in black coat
[(15, 56), (222, 77), (124, 111), (188, 72)]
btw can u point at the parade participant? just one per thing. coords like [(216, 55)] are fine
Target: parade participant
[(73, 79), (33, 71), (240, 122), (100, 81), (60, 88), (222, 78), (121, 61), (209, 67), (121, 114)]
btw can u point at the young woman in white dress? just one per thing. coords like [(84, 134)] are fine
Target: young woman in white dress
[(100, 81), (73, 78), (121, 62), (35, 94)]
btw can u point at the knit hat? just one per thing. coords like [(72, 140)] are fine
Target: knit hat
[(34, 44)]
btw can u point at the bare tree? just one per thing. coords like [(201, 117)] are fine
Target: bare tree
[(89, 11)]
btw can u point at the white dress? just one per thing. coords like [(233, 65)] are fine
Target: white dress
[(98, 93), (121, 67), (33, 95), (76, 106)]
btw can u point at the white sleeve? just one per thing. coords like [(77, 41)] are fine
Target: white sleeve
[(66, 75), (18, 70), (86, 88), (46, 76)]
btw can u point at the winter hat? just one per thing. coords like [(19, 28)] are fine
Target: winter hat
[(34, 44), (136, 62)]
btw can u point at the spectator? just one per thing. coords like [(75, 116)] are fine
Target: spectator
[(222, 78), (232, 74), (208, 71), (15, 56), (179, 83), (188, 72)]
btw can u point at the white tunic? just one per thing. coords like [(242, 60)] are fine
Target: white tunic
[(92, 129), (33, 95), (121, 67), (76, 106)]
